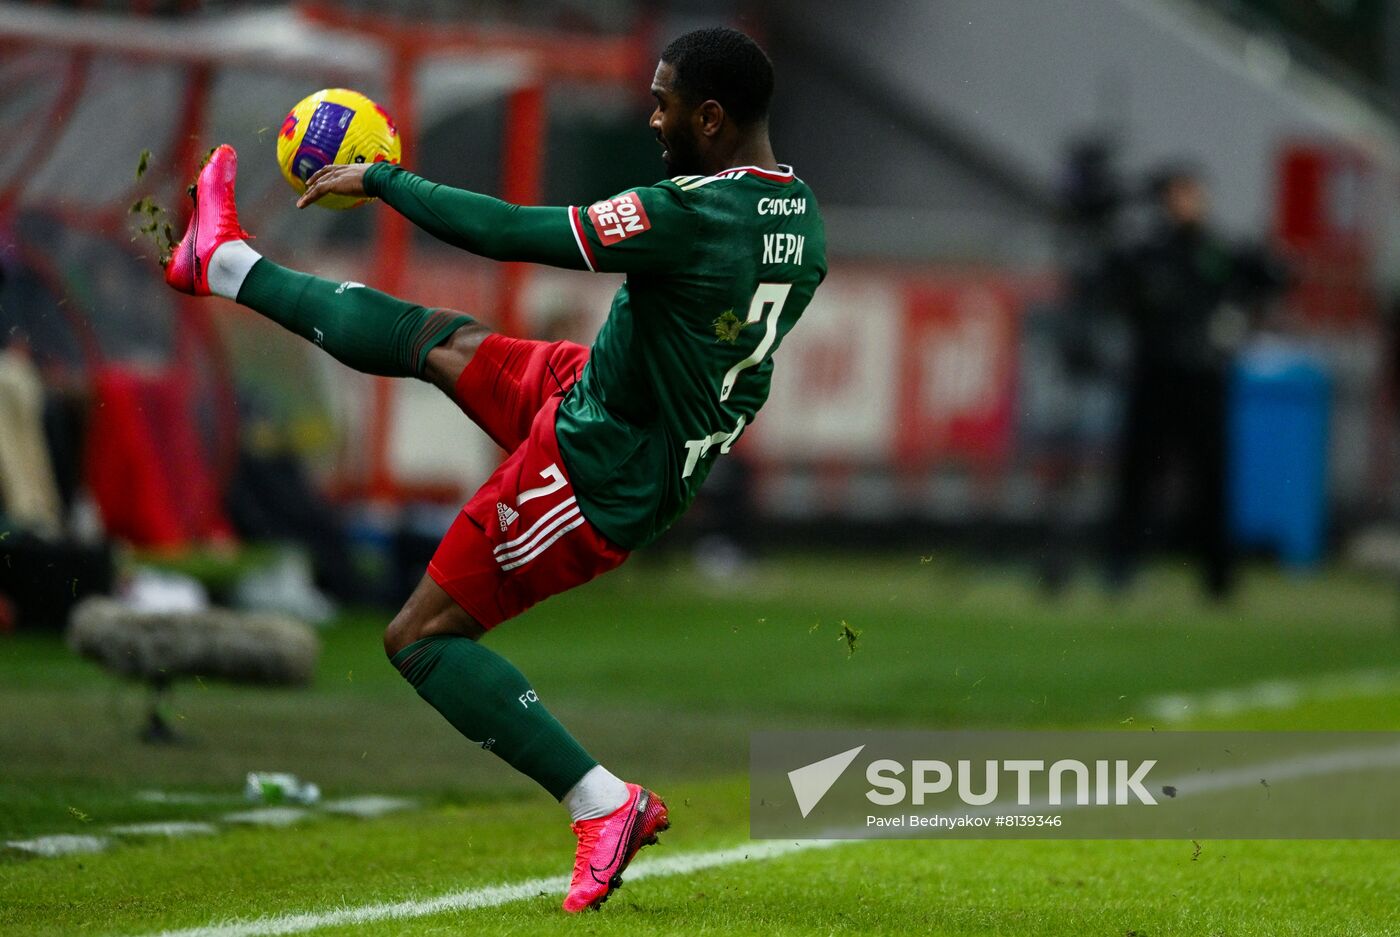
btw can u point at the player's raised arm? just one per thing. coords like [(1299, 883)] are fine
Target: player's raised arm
[(642, 230), (474, 222)]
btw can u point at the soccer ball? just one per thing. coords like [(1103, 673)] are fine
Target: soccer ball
[(335, 126)]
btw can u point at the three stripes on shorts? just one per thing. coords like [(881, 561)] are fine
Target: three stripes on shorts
[(553, 524)]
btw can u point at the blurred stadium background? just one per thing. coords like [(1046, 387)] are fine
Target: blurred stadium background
[(953, 375), (947, 425)]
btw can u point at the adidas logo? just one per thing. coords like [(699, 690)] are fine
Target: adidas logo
[(506, 516)]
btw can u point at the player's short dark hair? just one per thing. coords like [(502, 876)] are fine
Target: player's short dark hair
[(723, 65)]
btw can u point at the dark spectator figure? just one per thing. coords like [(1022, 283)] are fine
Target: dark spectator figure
[(1186, 294)]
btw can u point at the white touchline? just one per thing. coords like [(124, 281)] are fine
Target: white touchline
[(186, 797), (169, 829), (1303, 766), (268, 816), (368, 806), (1272, 694), (61, 845), (493, 896)]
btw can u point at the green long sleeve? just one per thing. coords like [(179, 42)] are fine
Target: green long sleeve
[(478, 223)]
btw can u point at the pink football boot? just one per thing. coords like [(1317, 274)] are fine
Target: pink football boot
[(606, 845), (214, 222)]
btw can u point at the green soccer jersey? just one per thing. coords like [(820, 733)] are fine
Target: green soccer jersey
[(719, 269)]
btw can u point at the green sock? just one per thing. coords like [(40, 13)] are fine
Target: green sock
[(490, 702), (368, 330)]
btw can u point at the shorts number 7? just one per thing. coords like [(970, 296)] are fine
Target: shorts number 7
[(767, 296)]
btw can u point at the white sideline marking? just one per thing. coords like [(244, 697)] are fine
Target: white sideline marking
[(372, 805), (268, 816), (184, 797), (62, 845), (1303, 766), (1272, 695), (493, 895), (368, 806), (171, 829)]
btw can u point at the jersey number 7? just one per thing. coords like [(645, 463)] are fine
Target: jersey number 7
[(767, 296), (767, 300)]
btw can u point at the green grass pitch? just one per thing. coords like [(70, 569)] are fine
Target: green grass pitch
[(663, 674)]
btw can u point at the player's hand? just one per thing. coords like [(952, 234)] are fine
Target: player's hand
[(335, 179)]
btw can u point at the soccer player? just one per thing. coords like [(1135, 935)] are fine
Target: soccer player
[(608, 445)]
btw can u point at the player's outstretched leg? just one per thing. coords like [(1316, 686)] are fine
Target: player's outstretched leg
[(368, 330), (432, 642)]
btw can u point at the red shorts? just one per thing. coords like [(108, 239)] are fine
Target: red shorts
[(521, 538)]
